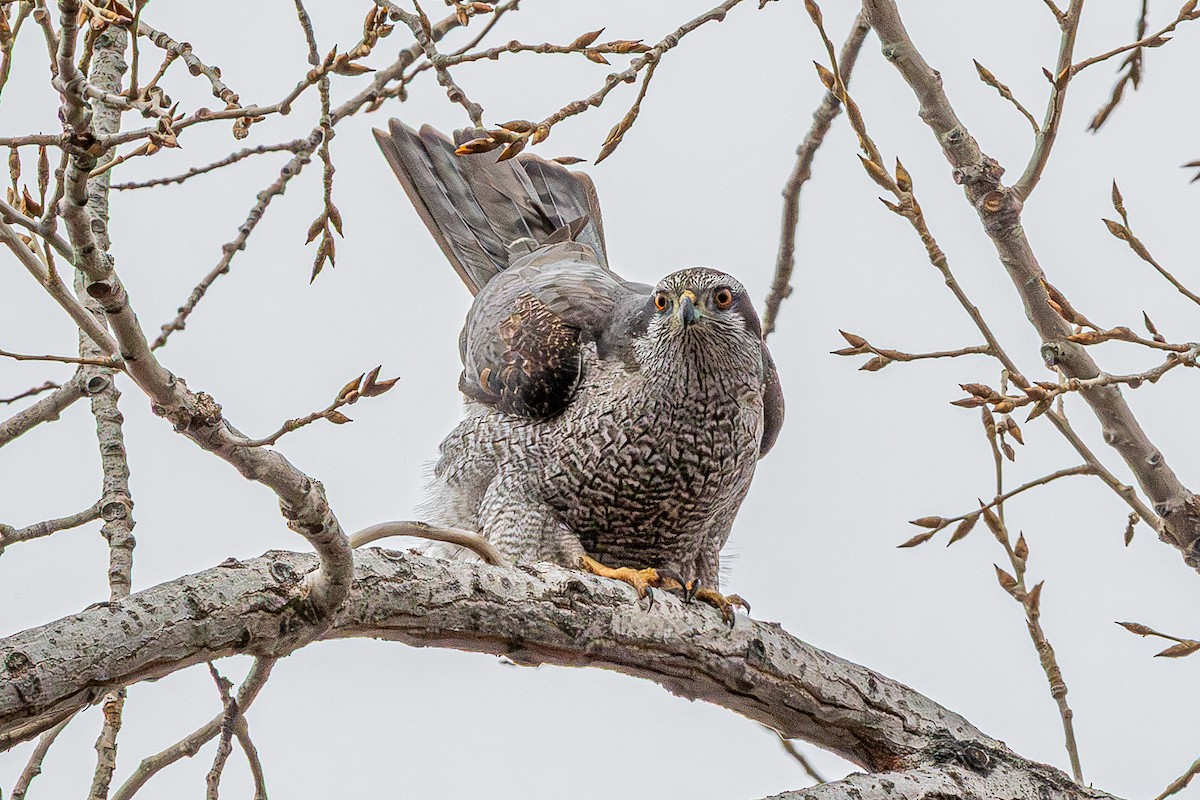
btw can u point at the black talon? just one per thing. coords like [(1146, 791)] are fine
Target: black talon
[(673, 575), (650, 595), (690, 591)]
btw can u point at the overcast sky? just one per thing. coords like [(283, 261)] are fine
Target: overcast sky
[(697, 181)]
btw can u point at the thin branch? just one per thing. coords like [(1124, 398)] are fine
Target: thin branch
[(823, 117), (367, 384), (31, 392), (1125, 233), (242, 730), (1154, 40), (629, 75), (1178, 517), (53, 284), (1030, 600), (225, 744), (936, 524), (97, 362), (33, 767), (1177, 785), (11, 215), (194, 64), (303, 155), (229, 249), (987, 77), (293, 146), (1044, 141), (45, 410), (10, 535), (790, 748), (191, 744)]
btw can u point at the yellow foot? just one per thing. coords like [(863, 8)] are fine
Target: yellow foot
[(723, 603), (640, 579)]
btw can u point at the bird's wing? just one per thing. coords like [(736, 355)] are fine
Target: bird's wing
[(523, 339), (772, 404)]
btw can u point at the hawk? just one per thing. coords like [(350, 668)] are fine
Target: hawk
[(609, 425)]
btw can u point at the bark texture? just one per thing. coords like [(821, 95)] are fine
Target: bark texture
[(534, 615)]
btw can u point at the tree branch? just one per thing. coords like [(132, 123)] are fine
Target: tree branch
[(44, 410), (534, 615), (999, 208)]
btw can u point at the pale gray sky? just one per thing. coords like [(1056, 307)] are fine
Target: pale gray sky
[(696, 182)]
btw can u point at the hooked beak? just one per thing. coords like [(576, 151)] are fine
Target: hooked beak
[(688, 314)]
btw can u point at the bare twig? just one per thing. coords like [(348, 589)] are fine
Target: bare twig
[(194, 64), (45, 410), (10, 38), (1044, 140), (1122, 231), (1183, 647), (1030, 600), (31, 392), (225, 743), (13, 216), (98, 362), (330, 218), (935, 524), (823, 117), (10, 535), (884, 356), (365, 385), (191, 744), (987, 77), (1177, 785), (629, 75), (1178, 518), (1186, 13), (229, 249), (293, 146), (790, 748), (33, 767)]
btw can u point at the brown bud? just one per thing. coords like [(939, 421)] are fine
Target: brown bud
[(963, 529), (920, 538), (481, 145), (854, 339), (586, 39), (1184, 648), (1138, 628)]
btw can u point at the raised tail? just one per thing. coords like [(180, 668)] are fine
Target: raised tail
[(485, 213)]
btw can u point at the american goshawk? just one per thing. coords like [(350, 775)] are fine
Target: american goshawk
[(609, 425)]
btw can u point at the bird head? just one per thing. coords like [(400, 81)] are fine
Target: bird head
[(701, 304)]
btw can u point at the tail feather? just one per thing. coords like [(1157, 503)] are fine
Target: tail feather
[(484, 213)]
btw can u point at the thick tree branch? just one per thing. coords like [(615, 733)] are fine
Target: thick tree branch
[(951, 780), (999, 208), (533, 615)]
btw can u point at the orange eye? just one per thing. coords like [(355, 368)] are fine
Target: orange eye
[(723, 298), (661, 302)]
